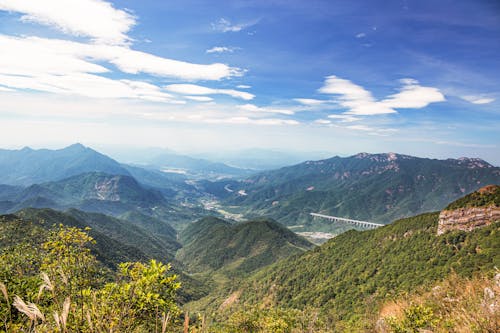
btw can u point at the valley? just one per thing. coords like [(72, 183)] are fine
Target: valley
[(269, 240)]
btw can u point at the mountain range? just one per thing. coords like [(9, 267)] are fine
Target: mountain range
[(369, 187)]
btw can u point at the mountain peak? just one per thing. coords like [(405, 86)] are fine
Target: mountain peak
[(75, 147), (473, 162)]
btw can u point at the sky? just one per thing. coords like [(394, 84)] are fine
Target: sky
[(415, 77)]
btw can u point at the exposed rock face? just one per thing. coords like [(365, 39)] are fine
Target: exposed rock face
[(107, 189), (467, 219)]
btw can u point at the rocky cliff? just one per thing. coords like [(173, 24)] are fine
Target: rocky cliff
[(467, 219), (478, 209)]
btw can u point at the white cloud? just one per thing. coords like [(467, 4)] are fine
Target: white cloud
[(323, 121), (361, 35), (192, 89), (250, 121), (477, 99), (344, 118), (360, 101), (6, 89), (224, 25), (200, 98), (67, 67), (222, 49), (413, 96), (309, 101), (243, 86), (372, 130), (255, 108), (96, 19)]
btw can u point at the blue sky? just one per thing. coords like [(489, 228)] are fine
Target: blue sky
[(415, 77)]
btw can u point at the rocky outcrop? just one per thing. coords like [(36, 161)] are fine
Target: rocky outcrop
[(468, 218)]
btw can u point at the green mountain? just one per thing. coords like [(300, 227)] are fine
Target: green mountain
[(212, 244), (347, 279), (101, 193), (27, 166), (486, 196), (93, 191), (117, 240), (370, 187)]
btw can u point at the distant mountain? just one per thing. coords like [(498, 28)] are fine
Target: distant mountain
[(346, 279), (194, 167), (101, 193), (263, 159), (370, 187), (171, 185), (213, 244), (27, 166)]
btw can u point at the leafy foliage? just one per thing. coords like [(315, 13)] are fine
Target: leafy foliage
[(66, 291)]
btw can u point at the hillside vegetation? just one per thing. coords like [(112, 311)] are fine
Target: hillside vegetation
[(370, 187), (348, 277), (212, 244), (486, 196)]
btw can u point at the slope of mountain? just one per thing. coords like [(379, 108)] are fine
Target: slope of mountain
[(92, 191), (109, 233), (27, 166), (101, 193), (116, 240), (212, 244), (348, 277), (370, 187), (171, 185)]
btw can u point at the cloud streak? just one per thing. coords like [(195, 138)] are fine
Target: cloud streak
[(223, 25), (477, 99), (96, 19), (360, 101), (67, 67), (222, 49), (193, 89)]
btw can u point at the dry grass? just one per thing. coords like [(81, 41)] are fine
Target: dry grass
[(456, 305)]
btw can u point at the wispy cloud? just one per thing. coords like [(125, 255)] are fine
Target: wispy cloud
[(250, 121), (199, 98), (255, 108), (67, 67), (243, 86), (193, 89), (477, 99), (224, 25), (344, 118), (361, 35), (372, 130), (96, 19), (222, 49), (309, 101), (360, 101), (413, 96)]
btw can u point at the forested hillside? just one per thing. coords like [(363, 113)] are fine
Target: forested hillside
[(369, 187)]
